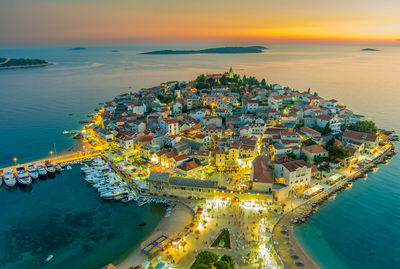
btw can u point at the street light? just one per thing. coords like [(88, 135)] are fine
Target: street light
[(15, 159), (51, 153)]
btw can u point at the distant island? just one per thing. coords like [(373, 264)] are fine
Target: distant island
[(369, 49), (77, 48), (222, 50), (9, 63), (115, 51)]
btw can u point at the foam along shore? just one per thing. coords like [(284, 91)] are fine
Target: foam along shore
[(181, 216), (289, 250)]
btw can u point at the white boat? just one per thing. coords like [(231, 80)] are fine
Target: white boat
[(128, 198), (9, 178), (33, 171), (42, 172), (49, 258), (23, 176), (50, 169), (69, 167), (59, 168), (112, 193)]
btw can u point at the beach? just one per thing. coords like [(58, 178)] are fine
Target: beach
[(181, 215)]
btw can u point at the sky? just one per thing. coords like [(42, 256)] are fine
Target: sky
[(35, 22)]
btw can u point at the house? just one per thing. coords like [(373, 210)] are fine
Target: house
[(262, 176), (178, 160), (220, 159), (311, 133), (171, 126), (314, 151), (189, 168), (203, 155), (353, 137), (297, 174), (333, 122)]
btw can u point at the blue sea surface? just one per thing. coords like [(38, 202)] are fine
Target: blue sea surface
[(66, 218)]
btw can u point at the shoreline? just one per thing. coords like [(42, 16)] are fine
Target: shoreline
[(181, 216), (300, 214)]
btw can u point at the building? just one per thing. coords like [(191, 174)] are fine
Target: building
[(314, 151), (353, 137), (171, 126), (297, 174), (311, 133), (262, 176), (164, 184)]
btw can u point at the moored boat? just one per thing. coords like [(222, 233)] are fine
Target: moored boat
[(42, 172), (23, 177), (9, 177), (59, 168), (50, 169), (34, 174)]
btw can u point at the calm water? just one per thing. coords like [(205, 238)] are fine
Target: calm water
[(64, 216), (35, 105)]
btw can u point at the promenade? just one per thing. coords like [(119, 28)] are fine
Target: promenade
[(289, 250)]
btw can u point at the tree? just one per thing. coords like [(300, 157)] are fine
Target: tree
[(336, 153), (206, 258), (367, 126), (223, 80), (222, 265), (229, 260), (309, 142), (303, 157), (200, 266), (263, 83)]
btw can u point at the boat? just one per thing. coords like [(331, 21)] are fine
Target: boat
[(50, 169), (49, 258), (59, 168), (33, 172), (128, 198), (69, 167), (9, 178), (42, 172), (23, 177)]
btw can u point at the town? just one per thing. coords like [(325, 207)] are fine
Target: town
[(239, 152)]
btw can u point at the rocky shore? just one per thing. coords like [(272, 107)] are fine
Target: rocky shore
[(289, 250)]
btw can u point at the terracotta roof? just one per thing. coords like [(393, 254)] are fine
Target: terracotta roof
[(180, 157), (261, 170), (110, 266), (293, 165), (359, 135), (187, 166), (315, 149), (305, 129), (324, 117)]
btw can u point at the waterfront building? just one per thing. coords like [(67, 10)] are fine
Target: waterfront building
[(314, 151), (297, 174), (354, 138)]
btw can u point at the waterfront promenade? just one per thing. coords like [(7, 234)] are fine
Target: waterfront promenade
[(289, 250)]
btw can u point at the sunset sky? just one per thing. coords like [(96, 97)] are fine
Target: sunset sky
[(35, 22)]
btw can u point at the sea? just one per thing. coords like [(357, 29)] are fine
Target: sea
[(359, 228)]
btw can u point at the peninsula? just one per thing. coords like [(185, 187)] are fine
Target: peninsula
[(237, 162), (9, 63), (221, 50)]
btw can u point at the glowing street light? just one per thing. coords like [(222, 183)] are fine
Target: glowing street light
[(15, 159), (51, 153)]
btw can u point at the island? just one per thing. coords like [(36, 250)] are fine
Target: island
[(221, 50), (236, 161), (77, 48), (369, 49), (10, 63)]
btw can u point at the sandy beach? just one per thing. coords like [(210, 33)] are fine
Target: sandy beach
[(181, 216)]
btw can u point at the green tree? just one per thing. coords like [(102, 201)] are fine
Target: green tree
[(367, 126), (206, 258), (223, 80), (309, 142), (263, 83), (336, 153), (200, 266), (222, 265), (229, 260)]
